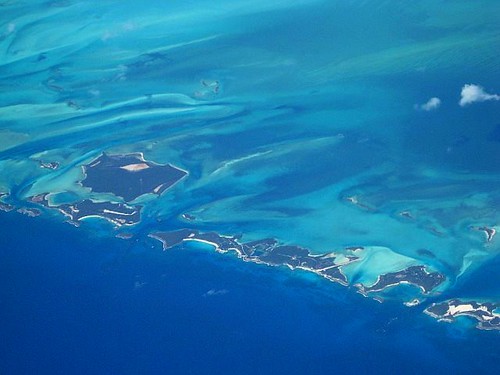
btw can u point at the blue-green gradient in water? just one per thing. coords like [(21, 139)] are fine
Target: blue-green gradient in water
[(283, 113), (112, 307)]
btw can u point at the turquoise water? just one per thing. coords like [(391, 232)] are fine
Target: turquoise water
[(281, 112)]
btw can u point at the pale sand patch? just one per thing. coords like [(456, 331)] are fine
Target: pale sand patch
[(455, 309), (135, 167)]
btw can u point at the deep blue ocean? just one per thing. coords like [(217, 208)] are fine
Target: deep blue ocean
[(73, 302), (324, 124)]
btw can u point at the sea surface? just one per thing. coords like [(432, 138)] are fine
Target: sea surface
[(74, 302), (300, 120)]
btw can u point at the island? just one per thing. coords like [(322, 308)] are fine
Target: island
[(267, 251), (355, 201), (129, 176), (126, 176), (489, 232), (116, 213), (5, 206), (52, 165), (486, 313), (329, 265), (28, 211), (31, 212), (414, 275)]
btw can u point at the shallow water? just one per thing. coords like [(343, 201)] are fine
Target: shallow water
[(281, 112)]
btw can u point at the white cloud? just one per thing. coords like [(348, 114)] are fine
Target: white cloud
[(474, 93), (432, 104)]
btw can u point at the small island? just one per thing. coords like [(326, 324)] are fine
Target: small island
[(116, 213), (31, 212), (414, 275), (126, 176), (5, 206), (52, 165), (489, 232), (129, 176), (486, 313)]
